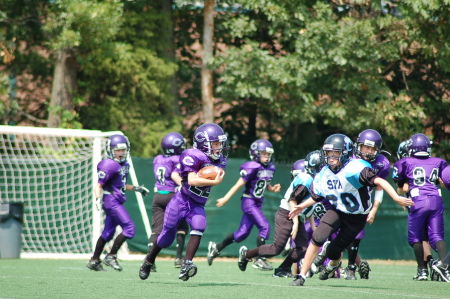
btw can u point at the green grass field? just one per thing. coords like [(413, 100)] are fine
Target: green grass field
[(39, 278)]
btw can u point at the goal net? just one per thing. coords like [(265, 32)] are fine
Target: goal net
[(52, 172)]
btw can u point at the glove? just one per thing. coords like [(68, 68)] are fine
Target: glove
[(144, 191), (99, 203)]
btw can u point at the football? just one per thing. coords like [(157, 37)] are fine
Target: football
[(209, 172)]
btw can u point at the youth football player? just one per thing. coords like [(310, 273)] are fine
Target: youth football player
[(256, 176), (343, 182), (210, 149)]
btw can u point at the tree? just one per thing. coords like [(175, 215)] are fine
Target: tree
[(207, 73), (340, 67), (76, 27)]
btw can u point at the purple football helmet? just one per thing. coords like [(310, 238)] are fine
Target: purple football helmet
[(419, 145), (205, 135), (340, 143), (117, 142), (369, 138), (298, 167), (173, 144), (402, 151), (314, 162), (258, 146)]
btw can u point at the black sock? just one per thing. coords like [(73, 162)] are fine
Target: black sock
[(418, 252), (99, 248), (152, 241), (192, 246), (260, 241), (352, 250), (151, 256), (227, 241), (117, 244), (180, 245)]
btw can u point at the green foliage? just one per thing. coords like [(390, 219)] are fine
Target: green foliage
[(127, 85), (291, 71), (83, 23), (340, 68)]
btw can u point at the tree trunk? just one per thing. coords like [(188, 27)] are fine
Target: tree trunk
[(207, 84), (63, 88)]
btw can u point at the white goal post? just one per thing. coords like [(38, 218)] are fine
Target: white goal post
[(53, 172)]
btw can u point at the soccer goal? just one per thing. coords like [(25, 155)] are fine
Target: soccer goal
[(53, 172)]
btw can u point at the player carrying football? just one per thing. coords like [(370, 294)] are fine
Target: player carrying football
[(210, 149)]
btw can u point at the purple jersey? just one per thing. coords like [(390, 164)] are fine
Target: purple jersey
[(421, 174), (163, 167), (192, 160), (256, 177), (113, 177), (380, 165)]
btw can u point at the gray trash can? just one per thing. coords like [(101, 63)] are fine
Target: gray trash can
[(11, 220)]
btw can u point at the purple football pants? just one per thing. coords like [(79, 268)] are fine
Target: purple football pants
[(253, 215), (116, 214), (427, 215), (178, 209)]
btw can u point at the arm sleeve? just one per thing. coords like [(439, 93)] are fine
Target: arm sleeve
[(299, 193), (367, 177)]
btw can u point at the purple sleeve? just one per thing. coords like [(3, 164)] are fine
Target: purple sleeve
[(191, 160), (106, 169), (383, 166), (247, 172)]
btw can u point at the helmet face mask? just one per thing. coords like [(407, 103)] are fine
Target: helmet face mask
[(173, 144), (261, 148), (314, 162), (208, 134), (402, 151), (342, 148), (118, 142), (419, 145), (368, 138)]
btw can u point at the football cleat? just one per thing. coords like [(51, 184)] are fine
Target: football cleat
[(349, 272), (422, 275), (364, 270), (329, 272), (434, 276), (111, 260), (188, 270), (95, 265), (298, 281), (280, 272), (442, 270), (178, 262), (243, 261), (321, 257), (262, 264), (144, 271), (212, 252)]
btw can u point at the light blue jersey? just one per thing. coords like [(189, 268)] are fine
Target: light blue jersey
[(347, 190), (304, 179)]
